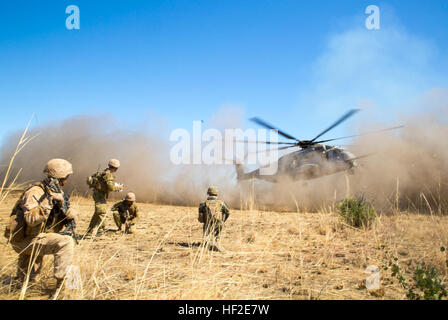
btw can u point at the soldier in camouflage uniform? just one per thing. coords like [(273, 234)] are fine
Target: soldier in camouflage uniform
[(125, 212), (35, 221), (101, 194), (213, 213)]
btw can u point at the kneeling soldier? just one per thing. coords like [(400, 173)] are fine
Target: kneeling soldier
[(36, 220), (213, 213), (125, 212)]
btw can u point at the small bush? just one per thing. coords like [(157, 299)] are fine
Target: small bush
[(426, 282), (357, 212)]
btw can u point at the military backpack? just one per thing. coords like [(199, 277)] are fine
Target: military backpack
[(213, 209), (96, 181), (15, 230)]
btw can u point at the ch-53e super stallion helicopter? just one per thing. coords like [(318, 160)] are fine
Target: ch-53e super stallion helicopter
[(313, 160)]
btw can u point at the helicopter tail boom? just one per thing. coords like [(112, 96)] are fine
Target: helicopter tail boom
[(240, 174)]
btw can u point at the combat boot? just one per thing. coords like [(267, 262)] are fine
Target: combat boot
[(220, 248), (214, 246), (57, 292)]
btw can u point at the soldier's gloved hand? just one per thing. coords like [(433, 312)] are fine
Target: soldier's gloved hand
[(57, 198), (71, 215)]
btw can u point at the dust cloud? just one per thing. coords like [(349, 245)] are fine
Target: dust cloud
[(407, 169), (89, 142)]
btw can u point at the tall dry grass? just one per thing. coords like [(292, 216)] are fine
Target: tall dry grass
[(270, 255), (8, 185)]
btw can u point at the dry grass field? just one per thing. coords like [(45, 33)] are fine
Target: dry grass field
[(270, 255)]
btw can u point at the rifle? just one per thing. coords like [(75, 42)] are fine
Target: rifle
[(69, 224), (127, 224)]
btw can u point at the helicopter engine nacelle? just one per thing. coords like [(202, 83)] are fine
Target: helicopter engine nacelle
[(350, 159)]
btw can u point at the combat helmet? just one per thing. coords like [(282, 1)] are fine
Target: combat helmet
[(114, 163), (130, 197), (212, 191), (58, 168)]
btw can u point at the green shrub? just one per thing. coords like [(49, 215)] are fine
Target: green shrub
[(426, 283), (357, 212)]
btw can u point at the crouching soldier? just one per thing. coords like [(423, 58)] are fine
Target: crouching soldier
[(125, 213), (213, 213), (35, 220)]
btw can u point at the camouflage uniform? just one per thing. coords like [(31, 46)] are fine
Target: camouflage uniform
[(120, 209), (37, 237), (100, 197), (213, 213)]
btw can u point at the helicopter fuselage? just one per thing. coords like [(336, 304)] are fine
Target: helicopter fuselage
[(306, 164)]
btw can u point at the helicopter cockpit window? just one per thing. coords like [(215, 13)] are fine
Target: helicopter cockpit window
[(334, 154)]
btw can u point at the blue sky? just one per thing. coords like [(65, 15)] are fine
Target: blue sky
[(298, 64)]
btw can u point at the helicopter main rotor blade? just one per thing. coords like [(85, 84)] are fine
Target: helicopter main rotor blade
[(276, 149), (338, 122), (267, 125), (362, 156), (265, 142), (361, 134)]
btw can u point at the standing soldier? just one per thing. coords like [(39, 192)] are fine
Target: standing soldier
[(102, 184), (125, 212), (213, 213), (34, 221)]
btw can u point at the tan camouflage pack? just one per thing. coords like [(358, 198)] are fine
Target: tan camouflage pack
[(16, 227), (214, 209), (96, 181)]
